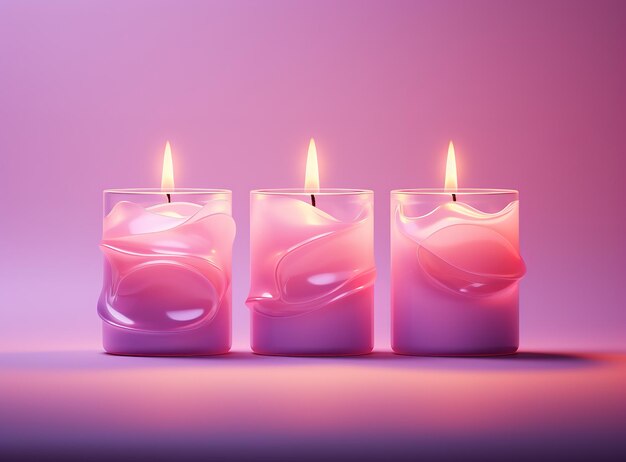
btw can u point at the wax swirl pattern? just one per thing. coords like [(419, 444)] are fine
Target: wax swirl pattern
[(167, 266), (306, 258), (465, 250)]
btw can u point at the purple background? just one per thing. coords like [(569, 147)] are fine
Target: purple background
[(532, 93)]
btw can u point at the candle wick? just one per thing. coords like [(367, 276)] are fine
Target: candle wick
[(313, 200), (169, 198), (454, 197)]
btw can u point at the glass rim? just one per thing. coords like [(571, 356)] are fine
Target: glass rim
[(459, 191), (308, 192), (152, 191)]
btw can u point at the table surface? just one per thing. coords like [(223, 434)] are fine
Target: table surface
[(75, 404)]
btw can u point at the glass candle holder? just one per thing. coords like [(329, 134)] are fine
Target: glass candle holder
[(167, 271), (312, 272), (455, 271)]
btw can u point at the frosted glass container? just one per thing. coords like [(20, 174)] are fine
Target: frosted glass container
[(455, 272), (167, 272), (312, 272)]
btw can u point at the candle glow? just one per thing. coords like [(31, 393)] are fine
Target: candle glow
[(451, 182), (167, 175), (312, 174)]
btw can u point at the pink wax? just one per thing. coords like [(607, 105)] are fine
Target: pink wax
[(312, 272), (455, 272), (167, 272)]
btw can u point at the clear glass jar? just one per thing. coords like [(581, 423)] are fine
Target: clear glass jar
[(312, 271), (455, 271), (167, 271)]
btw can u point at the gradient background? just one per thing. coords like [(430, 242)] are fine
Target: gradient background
[(533, 95)]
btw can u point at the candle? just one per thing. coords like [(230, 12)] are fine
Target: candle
[(167, 269), (455, 269), (312, 269)]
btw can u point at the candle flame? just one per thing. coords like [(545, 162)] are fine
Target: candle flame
[(167, 177), (451, 184), (312, 175)]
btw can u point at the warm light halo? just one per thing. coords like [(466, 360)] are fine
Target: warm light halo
[(167, 175), (312, 175), (451, 183)]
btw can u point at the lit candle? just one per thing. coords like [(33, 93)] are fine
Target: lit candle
[(167, 269), (455, 269), (312, 269)]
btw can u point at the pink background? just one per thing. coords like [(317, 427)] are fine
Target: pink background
[(532, 93)]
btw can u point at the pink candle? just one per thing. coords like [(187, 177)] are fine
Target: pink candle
[(167, 271), (455, 270), (312, 270)]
